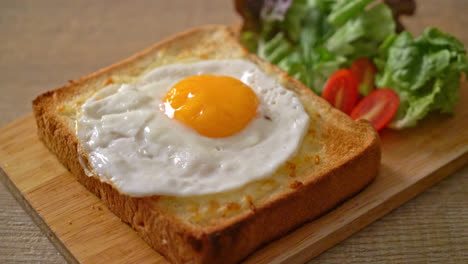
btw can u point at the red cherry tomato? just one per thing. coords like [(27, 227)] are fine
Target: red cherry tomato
[(341, 90), (378, 107), (364, 70)]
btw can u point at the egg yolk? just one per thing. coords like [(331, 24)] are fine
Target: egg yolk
[(214, 106)]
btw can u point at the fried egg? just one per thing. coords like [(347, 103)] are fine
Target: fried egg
[(191, 129)]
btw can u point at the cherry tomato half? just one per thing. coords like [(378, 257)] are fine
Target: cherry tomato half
[(364, 70), (378, 107), (341, 90)]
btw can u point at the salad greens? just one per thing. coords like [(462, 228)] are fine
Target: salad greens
[(425, 72), (311, 39)]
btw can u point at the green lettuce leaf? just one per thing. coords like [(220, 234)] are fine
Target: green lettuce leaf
[(364, 33), (425, 72), (293, 19), (276, 49), (310, 48), (344, 10)]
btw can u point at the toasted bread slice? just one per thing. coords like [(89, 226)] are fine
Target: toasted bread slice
[(337, 159)]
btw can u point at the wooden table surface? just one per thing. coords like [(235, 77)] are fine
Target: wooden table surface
[(45, 43)]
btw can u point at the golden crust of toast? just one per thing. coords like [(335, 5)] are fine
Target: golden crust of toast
[(338, 158)]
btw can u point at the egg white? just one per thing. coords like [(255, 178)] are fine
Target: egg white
[(134, 146)]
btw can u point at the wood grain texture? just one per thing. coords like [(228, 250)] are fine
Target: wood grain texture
[(429, 229), (21, 239), (48, 42)]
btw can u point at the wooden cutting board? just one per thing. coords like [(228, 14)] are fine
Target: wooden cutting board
[(84, 230)]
